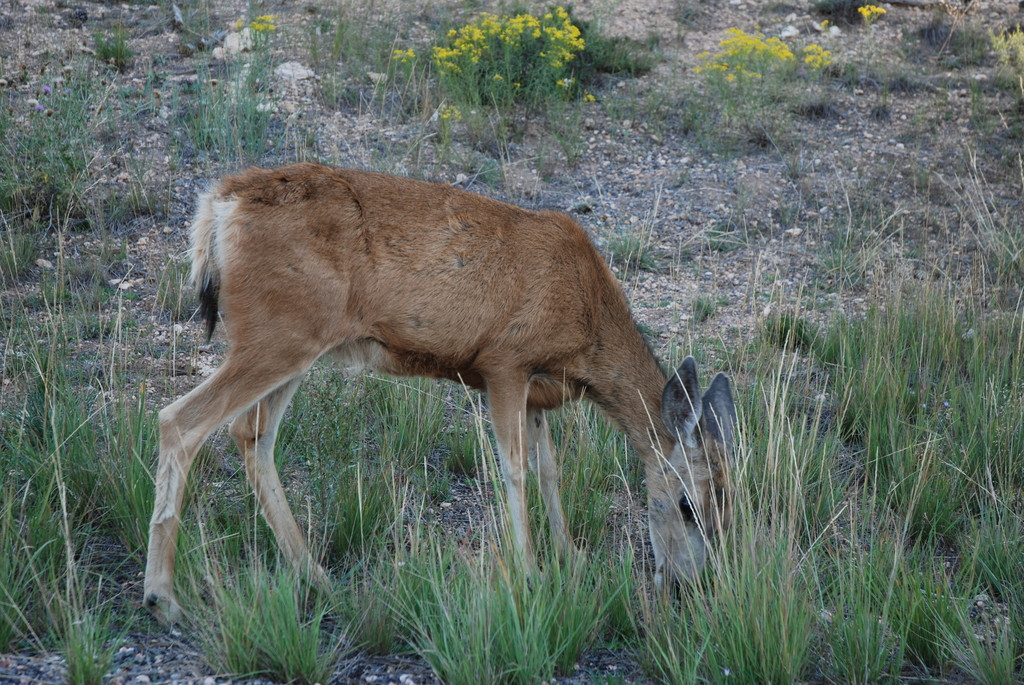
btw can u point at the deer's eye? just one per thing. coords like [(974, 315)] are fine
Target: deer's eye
[(687, 509)]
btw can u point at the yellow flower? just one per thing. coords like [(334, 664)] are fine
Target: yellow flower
[(816, 56), (451, 112), (587, 97), (403, 56), (870, 13), (264, 23), (514, 49)]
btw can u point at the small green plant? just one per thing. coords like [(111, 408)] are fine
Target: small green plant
[(447, 117), (257, 624), (18, 248), (411, 415), (462, 440), (172, 292), (631, 249), (375, 625), (704, 307), (502, 61), (1009, 47), (113, 48), (788, 330), (88, 647)]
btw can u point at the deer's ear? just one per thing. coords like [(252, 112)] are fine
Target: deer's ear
[(718, 419), (681, 405)]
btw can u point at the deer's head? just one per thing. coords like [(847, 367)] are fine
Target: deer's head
[(691, 491)]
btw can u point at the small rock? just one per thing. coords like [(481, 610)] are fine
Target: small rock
[(44, 263), (293, 71), (789, 32), (793, 232), (236, 42), (78, 17)]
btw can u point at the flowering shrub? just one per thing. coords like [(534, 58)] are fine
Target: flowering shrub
[(747, 56), (817, 57), (870, 13), (506, 60), (261, 24), (746, 80)]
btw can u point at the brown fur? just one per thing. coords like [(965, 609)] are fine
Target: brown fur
[(409, 278)]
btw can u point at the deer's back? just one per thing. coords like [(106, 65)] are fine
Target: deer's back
[(440, 277)]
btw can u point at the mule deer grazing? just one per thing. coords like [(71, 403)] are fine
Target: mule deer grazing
[(418, 279)]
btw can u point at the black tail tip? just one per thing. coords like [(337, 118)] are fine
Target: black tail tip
[(208, 297)]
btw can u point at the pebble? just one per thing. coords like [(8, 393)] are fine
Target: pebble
[(293, 71)]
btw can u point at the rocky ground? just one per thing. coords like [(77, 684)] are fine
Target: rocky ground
[(754, 232)]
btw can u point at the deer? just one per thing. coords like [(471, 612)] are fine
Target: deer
[(412, 278)]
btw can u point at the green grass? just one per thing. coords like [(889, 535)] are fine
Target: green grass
[(113, 49), (478, 620), (371, 455), (878, 523), (46, 154), (264, 624), (228, 118)]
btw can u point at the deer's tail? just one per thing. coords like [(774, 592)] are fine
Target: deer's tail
[(203, 251)]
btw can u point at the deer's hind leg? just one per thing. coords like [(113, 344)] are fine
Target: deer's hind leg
[(507, 400), (240, 382), (545, 466), (255, 433)]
